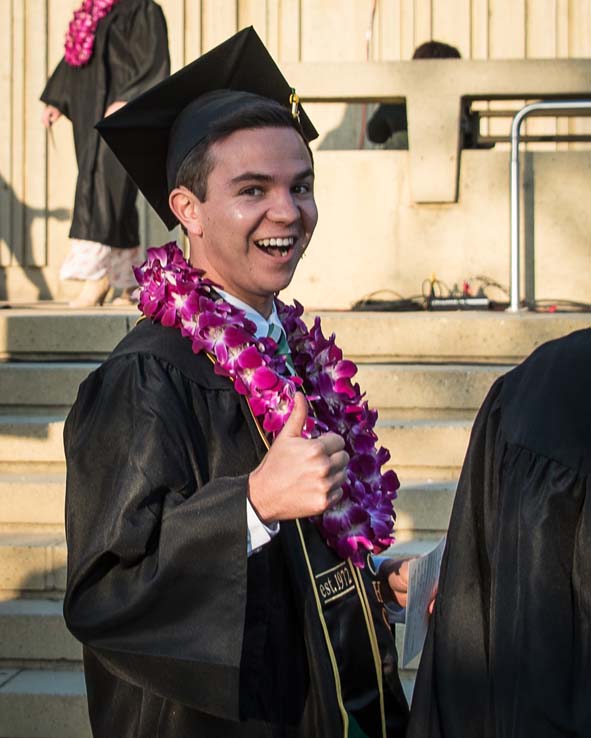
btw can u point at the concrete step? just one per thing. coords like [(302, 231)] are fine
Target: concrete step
[(432, 389), (424, 508), (32, 562), (35, 438), (34, 630), (42, 383), (491, 337), (38, 499), (32, 498), (43, 704), (408, 387), (420, 448), (425, 449), (50, 330)]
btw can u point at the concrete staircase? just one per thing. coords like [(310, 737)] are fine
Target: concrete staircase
[(426, 373)]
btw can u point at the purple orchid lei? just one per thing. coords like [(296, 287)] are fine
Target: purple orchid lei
[(177, 295), (81, 31)]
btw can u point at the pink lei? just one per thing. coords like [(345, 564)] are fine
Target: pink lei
[(82, 29), (177, 295)]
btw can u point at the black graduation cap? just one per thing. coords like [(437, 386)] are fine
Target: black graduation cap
[(140, 133)]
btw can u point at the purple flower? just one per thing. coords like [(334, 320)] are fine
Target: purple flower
[(274, 404), (177, 295), (357, 539)]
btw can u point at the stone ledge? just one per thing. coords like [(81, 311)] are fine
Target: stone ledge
[(36, 438), (44, 704), (32, 561), (447, 337), (427, 387), (33, 498), (35, 630), (42, 383)]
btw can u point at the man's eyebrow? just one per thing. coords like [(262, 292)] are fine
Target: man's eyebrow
[(309, 172), (260, 177), (251, 177)]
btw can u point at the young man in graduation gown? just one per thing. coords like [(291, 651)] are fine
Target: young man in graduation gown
[(207, 601), (508, 653)]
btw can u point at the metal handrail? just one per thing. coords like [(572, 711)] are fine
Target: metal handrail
[(554, 105)]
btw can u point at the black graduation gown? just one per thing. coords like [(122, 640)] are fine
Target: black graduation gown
[(508, 653), (183, 635), (130, 56)]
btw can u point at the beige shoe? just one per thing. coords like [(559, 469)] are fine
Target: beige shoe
[(93, 293)]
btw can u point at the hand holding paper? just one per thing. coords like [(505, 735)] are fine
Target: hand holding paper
[(423, 576)]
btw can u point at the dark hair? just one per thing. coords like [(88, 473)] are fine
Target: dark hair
[(262, 112), (436, 50)]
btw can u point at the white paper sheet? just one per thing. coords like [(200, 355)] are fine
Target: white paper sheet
[(423, 576)]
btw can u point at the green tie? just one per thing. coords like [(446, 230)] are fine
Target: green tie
[(354, 729), (278, 335)]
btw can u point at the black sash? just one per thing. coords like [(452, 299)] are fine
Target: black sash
[(352, 628)]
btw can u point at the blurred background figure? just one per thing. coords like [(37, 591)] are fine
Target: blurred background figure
[(388, 125), (508, 653), (114, 50)]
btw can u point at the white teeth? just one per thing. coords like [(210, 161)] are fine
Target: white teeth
[(282, 244)]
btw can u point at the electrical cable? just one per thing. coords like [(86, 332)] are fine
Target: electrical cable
[(474, 286), (371, 303)]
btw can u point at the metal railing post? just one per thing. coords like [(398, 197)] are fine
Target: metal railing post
[(550, 105)]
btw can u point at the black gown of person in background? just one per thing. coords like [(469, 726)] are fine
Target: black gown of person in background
[(130, 55), (508, 653)]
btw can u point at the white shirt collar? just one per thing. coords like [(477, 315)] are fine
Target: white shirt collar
[(262, 324)]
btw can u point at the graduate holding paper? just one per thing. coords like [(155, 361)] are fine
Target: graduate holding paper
[(220, 527)]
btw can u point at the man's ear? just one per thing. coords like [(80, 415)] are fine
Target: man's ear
[(186, 206)]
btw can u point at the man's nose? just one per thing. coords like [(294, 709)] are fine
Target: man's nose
[(283, 207)]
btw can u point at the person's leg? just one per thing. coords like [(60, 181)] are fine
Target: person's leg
[(88, 261), (120, 273)]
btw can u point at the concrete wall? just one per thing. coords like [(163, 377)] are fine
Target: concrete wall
[(37, 172), (371, 236)]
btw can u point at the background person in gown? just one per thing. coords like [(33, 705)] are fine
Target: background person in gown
[(114, 50)]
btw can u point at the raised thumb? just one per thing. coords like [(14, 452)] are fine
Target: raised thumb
[(296, 421)]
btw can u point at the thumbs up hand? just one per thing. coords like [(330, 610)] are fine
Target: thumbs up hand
[(297, 420), (298, 477)]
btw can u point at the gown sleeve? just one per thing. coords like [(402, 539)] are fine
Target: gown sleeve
[(156, 551), (137, 52), (57, 89)]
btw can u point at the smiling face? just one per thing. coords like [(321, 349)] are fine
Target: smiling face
[(258, 216)]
